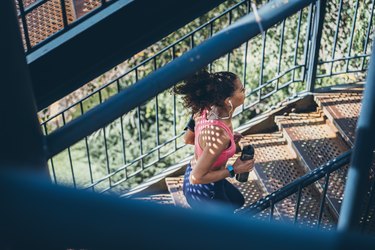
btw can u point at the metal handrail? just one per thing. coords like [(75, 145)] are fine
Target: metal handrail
[(297, 185), (364, 145)]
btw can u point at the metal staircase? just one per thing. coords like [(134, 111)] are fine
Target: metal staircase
[(303, 141), (299, 142)]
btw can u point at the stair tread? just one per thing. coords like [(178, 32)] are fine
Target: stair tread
[(251, 191), (343, 109), (317, 143), (276, 166)]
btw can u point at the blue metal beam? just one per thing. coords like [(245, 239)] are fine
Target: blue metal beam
[(162, 79), (21, 140), (358, 176), (35, 214)]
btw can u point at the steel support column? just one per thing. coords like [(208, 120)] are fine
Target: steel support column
[(358, 175), (21, 139), (320, 10)]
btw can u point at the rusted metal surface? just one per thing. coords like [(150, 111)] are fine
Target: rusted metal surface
[(45, 20), (316, 143), (174, 185), (251, 191), (277, 166), (342, 108)]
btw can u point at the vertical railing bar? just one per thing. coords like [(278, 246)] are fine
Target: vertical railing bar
[(157, 116), (24, 24), (87, 150), (306, 45), (323, 199), (264, 40), (244, 71), (336, 35), (63, 10), (368, 33), (297, 44), (245, 59), (228, 56), (192, 44), (105, 145), (70, 156), (272, 205), (280, 52), (297, 204), (139, 124), (122, 129), (320, 10), (52, 166), (174, 105), (352, 35), (211, 34), (368, 205)]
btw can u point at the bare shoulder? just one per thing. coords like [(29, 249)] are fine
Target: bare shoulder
[(215, 136)]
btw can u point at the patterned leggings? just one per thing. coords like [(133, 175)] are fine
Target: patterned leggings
[(200, 195)]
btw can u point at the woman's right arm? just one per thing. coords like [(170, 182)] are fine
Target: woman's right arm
[(215, 141)]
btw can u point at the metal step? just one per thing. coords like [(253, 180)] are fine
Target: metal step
[(342, 109), (251, 191), (316, 142), (276, 166)]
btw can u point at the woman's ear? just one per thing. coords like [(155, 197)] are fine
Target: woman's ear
[(227, 102)]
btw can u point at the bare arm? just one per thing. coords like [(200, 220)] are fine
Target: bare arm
[(189, 137), (215, 140)]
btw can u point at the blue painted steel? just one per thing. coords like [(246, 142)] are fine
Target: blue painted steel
[(21, 137), (135, 95), (297, 184), (47, 216), (364, 144), (320, 11)]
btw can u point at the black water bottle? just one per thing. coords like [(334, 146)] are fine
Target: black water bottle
[(247, 154)]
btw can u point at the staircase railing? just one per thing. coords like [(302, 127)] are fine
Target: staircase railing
[(296, 187), (287, 81)]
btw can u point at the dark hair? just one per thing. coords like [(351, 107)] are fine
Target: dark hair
[(204, 89)]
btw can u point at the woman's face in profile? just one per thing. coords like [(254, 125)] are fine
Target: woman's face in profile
[(238, 96)]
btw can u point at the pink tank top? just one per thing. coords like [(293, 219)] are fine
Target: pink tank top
[(202, 124)]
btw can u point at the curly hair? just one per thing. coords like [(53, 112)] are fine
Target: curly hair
[(204, 89)]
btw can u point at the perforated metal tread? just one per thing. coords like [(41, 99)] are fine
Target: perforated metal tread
[(47, 19), (276, 166), (342, 108), (251, 191), (316, 143), (174, 185)]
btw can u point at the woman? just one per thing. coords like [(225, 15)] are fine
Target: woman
[(212, 99)]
